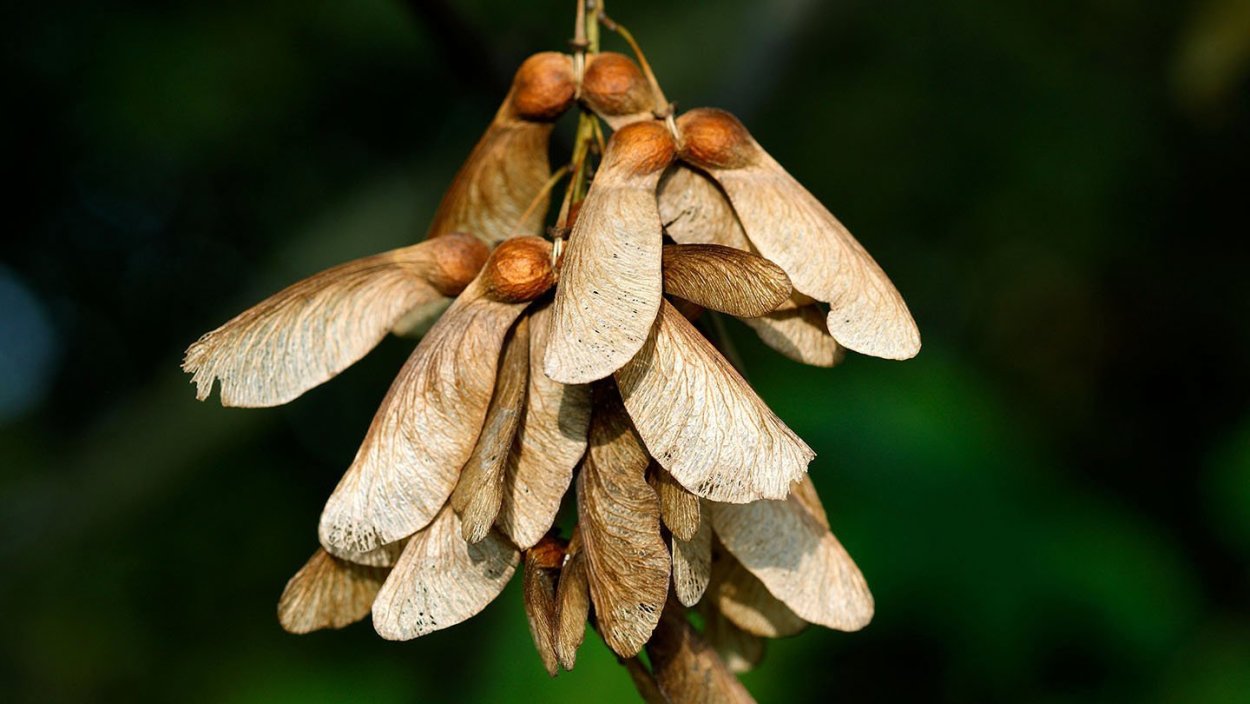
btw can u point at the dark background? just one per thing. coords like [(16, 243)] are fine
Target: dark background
[(1051, 503)]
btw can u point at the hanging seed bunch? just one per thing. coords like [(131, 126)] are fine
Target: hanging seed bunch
[(570, 371)]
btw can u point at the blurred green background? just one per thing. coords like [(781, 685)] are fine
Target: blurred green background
[(1051, 503)]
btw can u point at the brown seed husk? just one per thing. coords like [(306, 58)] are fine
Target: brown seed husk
[(687, 669), (572, 603), (703, 423), (725, 279), (679, 509), (508, 167), (692, 564), (619, 516), (479, 492), (615, 88), (441, 580), (328, 593), (790, 227), (799, 561), (610, 277), (424, 430), (307, 333), (550, 441), (519, 270)]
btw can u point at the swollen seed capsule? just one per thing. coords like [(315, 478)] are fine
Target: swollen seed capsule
[(640, 148), (614, 86), (519, 270), (457, 260), (715, 139), (543, 87)]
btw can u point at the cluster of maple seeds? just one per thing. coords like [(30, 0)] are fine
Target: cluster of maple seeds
[(548, 368)]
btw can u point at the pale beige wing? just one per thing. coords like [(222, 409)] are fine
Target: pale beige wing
[(703, 423), (695, 210), (743, 599), (383, 556), (441, 580), (610, 284), (619, 516), (610, 279), (800, 333), (572, 603), (425, 429), (692, 564), (679, 509), (310, 331), (549, 444), (790, 227), (328, 593), (787, 225), (800, 562), (805, 493), (725, 279), (538, 590), (479, 492), (504, 173)]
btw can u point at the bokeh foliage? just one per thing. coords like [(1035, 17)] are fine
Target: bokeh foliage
[(1052, 502)]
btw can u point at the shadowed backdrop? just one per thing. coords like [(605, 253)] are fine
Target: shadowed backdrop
[(1051, 503)]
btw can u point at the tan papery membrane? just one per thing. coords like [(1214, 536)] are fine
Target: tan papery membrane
[(310, 331), (797, 559), (328, 593), (790, 227), (692, 564), (542, 565), (619, 517), (703, 423), (572, 603), (549, 444), (479, 492), (424, 430), (507, 168), (724, 279), (441, 580), (687, 669), (610, 280)]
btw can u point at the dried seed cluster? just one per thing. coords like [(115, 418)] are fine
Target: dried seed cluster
[(586, 383)]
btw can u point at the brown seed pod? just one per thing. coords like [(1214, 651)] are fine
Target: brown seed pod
[(459, 257), (642, 148), (714, 138), (544, 86), (614, 87), (519, 270)]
